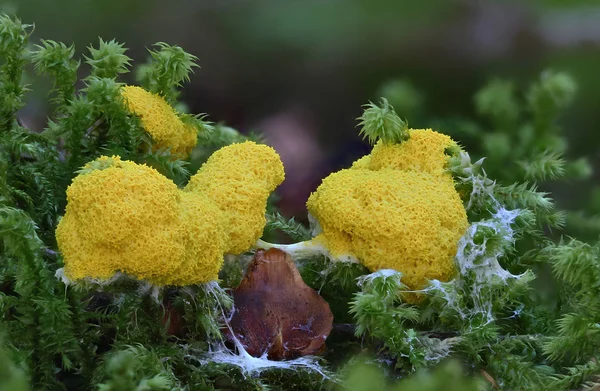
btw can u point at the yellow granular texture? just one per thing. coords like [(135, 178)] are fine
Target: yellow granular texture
[(129, 218), (423, 151), (363, 163), (160, 120), (239, 178), (396, 208), (203, 240), (391, 219)]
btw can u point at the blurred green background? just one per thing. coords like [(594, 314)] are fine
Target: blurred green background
[(299, 71)]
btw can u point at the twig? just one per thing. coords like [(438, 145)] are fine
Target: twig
[(490, 379), (94, 126)]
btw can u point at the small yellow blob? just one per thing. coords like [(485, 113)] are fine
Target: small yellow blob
[(160, 120), (396, 208), (239, 178)]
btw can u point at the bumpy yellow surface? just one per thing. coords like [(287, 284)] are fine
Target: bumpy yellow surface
[(129, 218), (395, 209), (423, 152), (203, 239), (238, 178), (160, 120), (126, 217)]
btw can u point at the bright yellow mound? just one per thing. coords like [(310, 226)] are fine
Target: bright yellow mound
[(391, 219), (239, 178), (126, 217), (129, 218), (396, 208), (160, 120)]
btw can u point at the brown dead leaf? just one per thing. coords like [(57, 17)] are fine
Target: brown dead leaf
[(276, 312)]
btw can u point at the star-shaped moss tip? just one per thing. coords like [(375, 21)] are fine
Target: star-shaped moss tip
[(102, 163), (382, 123)]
